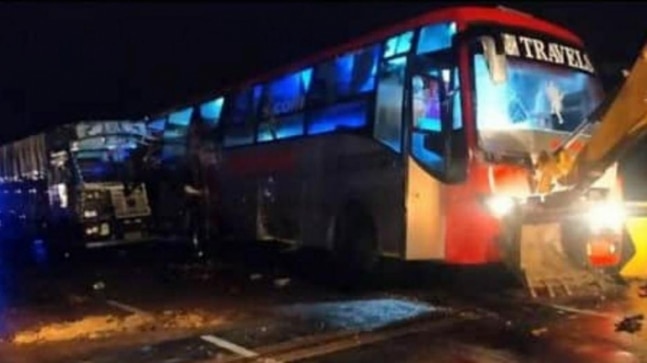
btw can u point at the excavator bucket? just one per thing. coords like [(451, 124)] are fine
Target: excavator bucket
[(554, 251), (549, 270)]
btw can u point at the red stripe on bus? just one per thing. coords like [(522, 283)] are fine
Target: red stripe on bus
[(256, 162)]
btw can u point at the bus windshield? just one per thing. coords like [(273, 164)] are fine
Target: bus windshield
[(100, 166), (537, 104)]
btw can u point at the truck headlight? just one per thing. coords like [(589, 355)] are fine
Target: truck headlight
[(606, 216), (500, 205), (90, 213)]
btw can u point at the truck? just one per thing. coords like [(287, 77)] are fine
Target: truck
[(66, 186)]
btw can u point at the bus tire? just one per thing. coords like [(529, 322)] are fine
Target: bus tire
[(354, 247)]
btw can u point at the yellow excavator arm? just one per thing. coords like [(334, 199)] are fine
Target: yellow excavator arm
[(622, 121), (556, 241)]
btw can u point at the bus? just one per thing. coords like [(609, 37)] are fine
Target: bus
[(174, 169), (410, 142)]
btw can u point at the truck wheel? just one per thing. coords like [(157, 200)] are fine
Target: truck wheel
[(354, 247)]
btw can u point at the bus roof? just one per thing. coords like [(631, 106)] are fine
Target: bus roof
[(500, 15)]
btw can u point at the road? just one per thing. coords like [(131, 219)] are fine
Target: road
[(154, 303)]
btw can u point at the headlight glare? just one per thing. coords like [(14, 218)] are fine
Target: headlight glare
[(500, 205), (604, 216)]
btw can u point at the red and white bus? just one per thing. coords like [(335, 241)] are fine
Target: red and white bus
[(408, 142)]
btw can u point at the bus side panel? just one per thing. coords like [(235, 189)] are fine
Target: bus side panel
[(293, 190), (424, 218), (318, 205), (355, 168), (280, 191), (238, 190)]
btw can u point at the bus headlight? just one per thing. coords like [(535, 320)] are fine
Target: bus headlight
[(500, 205), (606, 216)]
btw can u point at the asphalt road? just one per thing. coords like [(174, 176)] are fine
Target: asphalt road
[(155, 303)]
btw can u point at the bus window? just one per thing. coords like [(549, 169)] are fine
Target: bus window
[(426, 135), (282, 106), (210, 111), (398, 44), (181, 118), (348, 75), (437, 133), (239, 128), (348, 115), (390, 92), (436, 37)]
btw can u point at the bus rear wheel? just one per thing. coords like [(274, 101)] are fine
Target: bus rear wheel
[(355, 248)]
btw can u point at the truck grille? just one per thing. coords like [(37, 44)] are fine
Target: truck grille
[(135, 205)]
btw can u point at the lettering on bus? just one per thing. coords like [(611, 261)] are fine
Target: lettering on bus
[(545, 51), (287, 106)]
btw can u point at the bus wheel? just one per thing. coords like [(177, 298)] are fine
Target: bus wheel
[(354, 247)]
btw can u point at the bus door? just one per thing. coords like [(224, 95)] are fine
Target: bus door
[(437, 147)]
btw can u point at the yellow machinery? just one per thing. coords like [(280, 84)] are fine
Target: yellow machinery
[(546, 240)]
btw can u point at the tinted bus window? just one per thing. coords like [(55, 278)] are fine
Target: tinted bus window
[(348, 75), (240, 121), (282, 97), (398, 44), (210, 111), (349, 115), (436, 37), (390, 93)]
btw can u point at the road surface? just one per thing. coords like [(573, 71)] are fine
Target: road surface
[(152, 303)]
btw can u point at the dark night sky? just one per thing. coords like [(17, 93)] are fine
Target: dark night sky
[(62, 63)]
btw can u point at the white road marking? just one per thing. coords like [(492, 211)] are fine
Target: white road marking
[(232, 347), (126, 307)]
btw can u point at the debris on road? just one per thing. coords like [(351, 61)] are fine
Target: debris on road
[(539, 331), (630, 324), (74, 299), (283, 282), (99, 285), (255, 277), (200, 271), (90, 327), (101, 326)]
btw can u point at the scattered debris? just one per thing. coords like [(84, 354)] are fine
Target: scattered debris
[(255, 277), (96, 327), (282, 282), (73, 299), (99, 285), (539, 331), (90, 327), (630, 324), (195, 271)]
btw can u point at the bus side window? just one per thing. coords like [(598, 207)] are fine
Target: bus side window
[(354, 73), (336, 85), (398, 44), (211, 111), (437, 136), (435, 37), (426, 134), (239, 122), (282, 106), (388, 113)]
